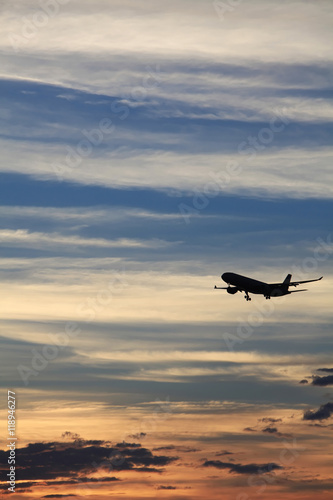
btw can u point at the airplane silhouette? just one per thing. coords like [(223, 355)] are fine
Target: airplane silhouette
[(244, 284)]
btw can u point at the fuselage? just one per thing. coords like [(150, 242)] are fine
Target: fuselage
[(245, 284)]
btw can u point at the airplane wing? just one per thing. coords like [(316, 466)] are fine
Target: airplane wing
[(295, 283)]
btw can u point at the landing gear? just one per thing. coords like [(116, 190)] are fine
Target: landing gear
[(246, 297), (268, 297)]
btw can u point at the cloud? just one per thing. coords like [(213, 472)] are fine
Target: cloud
[(147, 147), (138, 436), (216, 84), (22, 485), (322, 381), (270, 430), (222, 453), (267, 430), (22, 237), (166, 487), (319, 487), (270, 420), (77, 460), (58, 496), (192, 115), (158, 169), (91, 215), (322, 413), (158, 32), (242, 469), (185, 449), (128, 445), (241, 357)]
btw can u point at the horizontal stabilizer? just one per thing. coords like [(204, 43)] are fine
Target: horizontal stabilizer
[(303, 290)]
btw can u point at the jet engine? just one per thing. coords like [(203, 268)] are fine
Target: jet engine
[(232, 290)]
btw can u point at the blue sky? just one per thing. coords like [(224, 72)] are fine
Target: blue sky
[(146, 149)]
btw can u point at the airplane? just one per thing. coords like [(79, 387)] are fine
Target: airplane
[(244, 284)]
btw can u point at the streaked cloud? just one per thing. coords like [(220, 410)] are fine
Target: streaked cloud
[(148, 147), (242, 469), (37, 240)]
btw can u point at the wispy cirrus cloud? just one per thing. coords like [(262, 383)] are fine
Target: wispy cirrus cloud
[(22, 237), (190, 94), (163, 24)]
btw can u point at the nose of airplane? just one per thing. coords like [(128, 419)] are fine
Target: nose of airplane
[(226, 277)]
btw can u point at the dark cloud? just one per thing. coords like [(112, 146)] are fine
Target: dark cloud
[(79, 441), (322, 413), (58, 496), (70, 435), (242, 469), (185, 449), (166, 488), (222, 453), (249, 429), (320, 381), (274, 432), (323, 381), (139, 435), (270, 420), (321, 425), (270, 430), (24, 486), (86, 480), (315, 485), (128, 445), (49, 461), (80, 480), (164, 448)]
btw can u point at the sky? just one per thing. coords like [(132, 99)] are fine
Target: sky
[(147, 148)]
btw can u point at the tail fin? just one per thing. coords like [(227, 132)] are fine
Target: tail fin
[(287, 279)]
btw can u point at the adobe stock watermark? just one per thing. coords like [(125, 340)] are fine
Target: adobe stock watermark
[(117, 458), (265, 136), (223, 8), (245, 329), (267, 476), (93, 138), (88, 311), (218, 181), (31, 25)]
